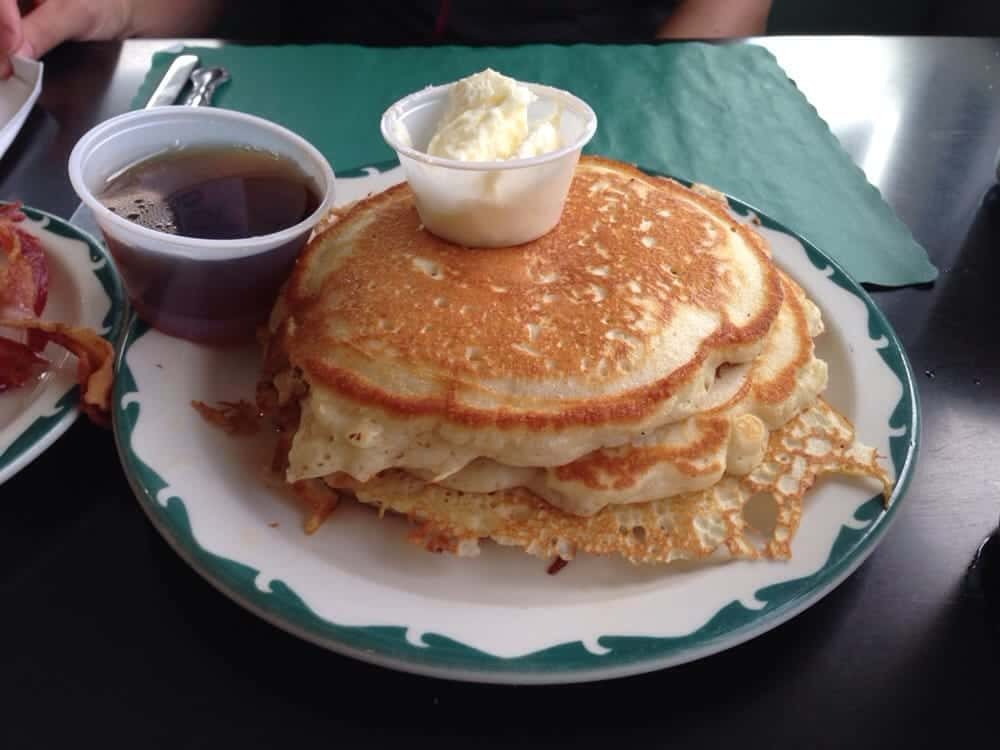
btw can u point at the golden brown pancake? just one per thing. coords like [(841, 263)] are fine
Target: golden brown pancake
[(623, 385), (422, 355)]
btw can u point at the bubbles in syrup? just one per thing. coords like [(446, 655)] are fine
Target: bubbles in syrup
[(220, 192)]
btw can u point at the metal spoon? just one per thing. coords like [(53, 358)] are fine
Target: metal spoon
[(204, 82)]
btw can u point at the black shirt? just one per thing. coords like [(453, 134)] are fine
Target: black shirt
[(387, 22)]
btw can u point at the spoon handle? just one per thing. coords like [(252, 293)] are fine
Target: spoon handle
[(204, 83)]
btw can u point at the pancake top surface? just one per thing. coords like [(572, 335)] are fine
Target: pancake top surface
[(642, 289)]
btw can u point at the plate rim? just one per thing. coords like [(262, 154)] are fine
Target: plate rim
[(10, 129), (68, 403), (831, 574)]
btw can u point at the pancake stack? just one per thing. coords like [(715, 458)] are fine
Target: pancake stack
[(624, 385)]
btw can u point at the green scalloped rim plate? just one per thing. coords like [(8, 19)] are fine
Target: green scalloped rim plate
[(357, 588), (84, 290)]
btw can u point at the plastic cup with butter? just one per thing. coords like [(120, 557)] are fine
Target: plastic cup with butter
[(489, 159), (218, 208)]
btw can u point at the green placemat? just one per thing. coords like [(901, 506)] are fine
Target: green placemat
[(724, 115)]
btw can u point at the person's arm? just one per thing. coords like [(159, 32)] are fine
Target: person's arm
[(51, 22), (716, 19)]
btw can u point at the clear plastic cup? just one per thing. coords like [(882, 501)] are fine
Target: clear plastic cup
[(488, 203), (206, 290)]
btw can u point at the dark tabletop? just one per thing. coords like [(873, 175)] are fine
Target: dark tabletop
[(107, 637)]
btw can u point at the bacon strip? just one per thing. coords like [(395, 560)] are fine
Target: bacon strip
[(24, 277), (235, 417), (94, 365), (558, 564), (320, 501), (18, 363)]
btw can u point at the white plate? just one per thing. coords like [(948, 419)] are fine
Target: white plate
[(358, 588), (84, 290), (17, 96)]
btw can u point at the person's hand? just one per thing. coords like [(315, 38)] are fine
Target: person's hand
[(11, 35), (51, 22), (716, 19)]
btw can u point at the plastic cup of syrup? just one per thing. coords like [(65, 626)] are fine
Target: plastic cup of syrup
[(204, 211)]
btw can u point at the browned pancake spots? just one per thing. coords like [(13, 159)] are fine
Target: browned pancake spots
[(581, 302)]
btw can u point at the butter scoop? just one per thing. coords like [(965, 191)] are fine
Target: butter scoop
[(511, 148), (487, 119)]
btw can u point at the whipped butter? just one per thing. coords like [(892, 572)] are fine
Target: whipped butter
[(489, 159), (486, 119)]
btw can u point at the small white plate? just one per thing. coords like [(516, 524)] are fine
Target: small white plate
[(358, 588), (17, 96), (84, 290)]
